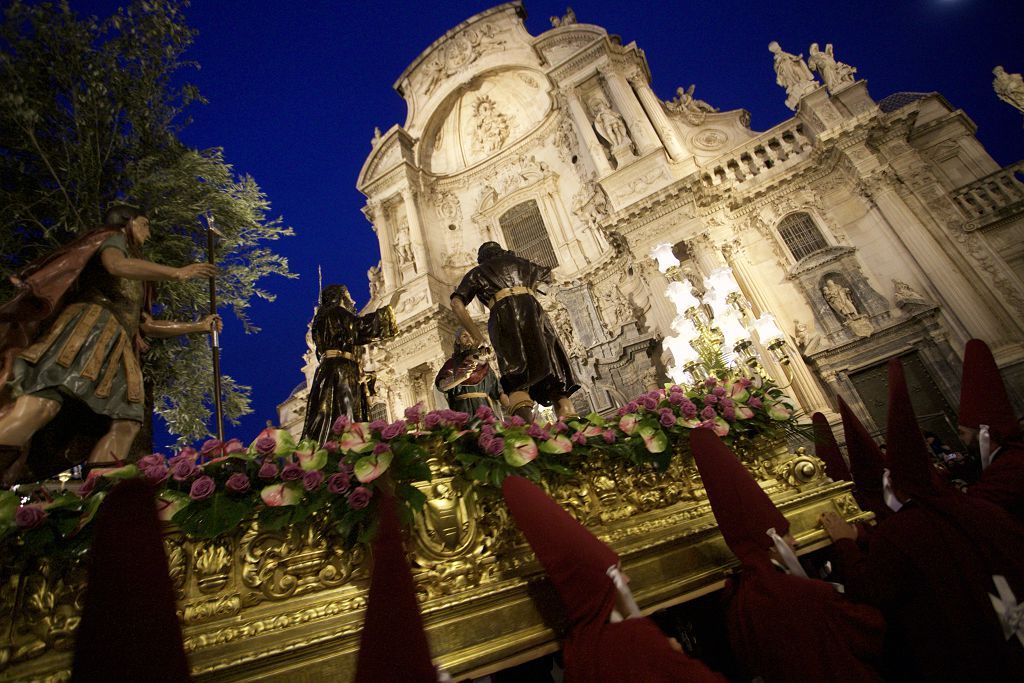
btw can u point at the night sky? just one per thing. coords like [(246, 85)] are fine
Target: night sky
[(296, 88)]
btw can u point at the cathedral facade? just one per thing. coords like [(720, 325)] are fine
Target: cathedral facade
[(869, 229)]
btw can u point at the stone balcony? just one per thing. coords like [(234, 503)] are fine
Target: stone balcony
[(995, 197), (769, 153)]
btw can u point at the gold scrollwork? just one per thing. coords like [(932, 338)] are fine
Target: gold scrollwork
[(296, 560)]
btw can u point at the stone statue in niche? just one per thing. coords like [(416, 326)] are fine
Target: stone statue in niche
[(375, 276), (836, 74), (905, 295), (491, 127), (615, 309), (1009, 87), (686, 103), (792, 74), (568, 19), (840, 299), (559, 316), (805, 339), (608, 123), (403, 245)]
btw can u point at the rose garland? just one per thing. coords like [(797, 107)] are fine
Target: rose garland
[(210, 491)]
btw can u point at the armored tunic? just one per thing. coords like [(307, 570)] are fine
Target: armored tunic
[(530, 356), (88, 352), (336, 389)]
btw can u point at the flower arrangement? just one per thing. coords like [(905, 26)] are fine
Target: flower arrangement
[(212, 490)]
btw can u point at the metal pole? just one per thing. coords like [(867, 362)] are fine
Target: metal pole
[(215, 336)]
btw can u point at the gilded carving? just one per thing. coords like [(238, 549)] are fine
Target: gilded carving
[(212, 566)]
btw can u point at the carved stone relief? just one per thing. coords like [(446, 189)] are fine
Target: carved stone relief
[(460, 51), (491, 128)]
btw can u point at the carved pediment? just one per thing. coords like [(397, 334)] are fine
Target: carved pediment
[(818, 259)]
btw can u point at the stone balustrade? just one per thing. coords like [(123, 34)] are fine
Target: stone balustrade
[(777, 148), (992, 196)]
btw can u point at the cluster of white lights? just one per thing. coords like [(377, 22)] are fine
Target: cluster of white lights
[(722, 308)]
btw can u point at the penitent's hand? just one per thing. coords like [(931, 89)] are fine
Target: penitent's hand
[(195, 270), (837, 527)]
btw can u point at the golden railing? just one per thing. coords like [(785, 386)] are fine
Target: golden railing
[(286, 605)]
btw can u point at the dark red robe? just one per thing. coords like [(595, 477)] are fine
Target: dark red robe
[(1002, 482), (787, 628), (929, 570)]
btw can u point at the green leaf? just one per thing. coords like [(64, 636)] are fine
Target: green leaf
[(212, 517)]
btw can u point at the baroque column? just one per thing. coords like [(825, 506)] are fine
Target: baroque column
[(628, 105), (586, 132), (806, 387), (419, 245), (662, 125), (387, 258)]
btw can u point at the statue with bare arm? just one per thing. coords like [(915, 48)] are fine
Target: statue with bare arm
[(71, 340)]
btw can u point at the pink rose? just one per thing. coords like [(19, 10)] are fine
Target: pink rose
[(184, 469), (378, 425), (151, 461), (331, 446), (687, 408), (432, 420), (710, 382), (211, 448), (755, 403), (29, 517), (412, 413), (676, 398), (237, 483), (649, 403), (484, 413), (729, 414), (311, 480), (667, 418), (346, 468), (708, 413), (233, 446), (202, 488), (718, 391), (292, 472), (560, 427), (340, 424), (537, 432), (359, 498), (710, 400), (514, 421), (339, 483), (266, 445), (268, 470), (393, 430), (608, 435), (456, 417), (496, 446), (381, 448), (154, 473), (579, 439)]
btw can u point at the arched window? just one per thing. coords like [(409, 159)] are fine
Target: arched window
[(525, 234), (801, 235), (378, 411)]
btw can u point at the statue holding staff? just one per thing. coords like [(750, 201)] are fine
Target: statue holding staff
[(71, 339)]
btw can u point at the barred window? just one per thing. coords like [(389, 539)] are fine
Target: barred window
[(801, 235), (378, 411), (526, 235)]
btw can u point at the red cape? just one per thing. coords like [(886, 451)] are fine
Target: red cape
[(1002, 482), (43, 287)]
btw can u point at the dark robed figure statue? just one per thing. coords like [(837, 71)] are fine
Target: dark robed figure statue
[(532, 362), (338, 332)]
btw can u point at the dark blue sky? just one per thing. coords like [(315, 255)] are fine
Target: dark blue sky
[(296, 88)]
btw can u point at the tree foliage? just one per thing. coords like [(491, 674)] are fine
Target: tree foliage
[(90, 113)]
